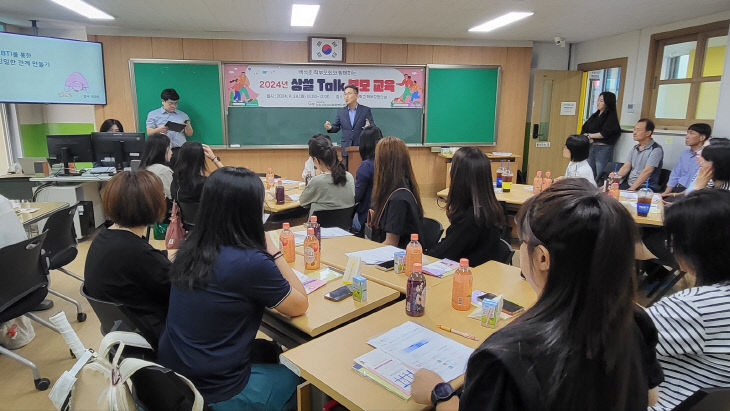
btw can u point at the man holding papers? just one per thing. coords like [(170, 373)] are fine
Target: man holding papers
[(170, 121)]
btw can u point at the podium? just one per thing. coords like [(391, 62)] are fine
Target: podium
[(354, 159)]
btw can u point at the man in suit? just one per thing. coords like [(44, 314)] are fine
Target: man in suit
[(351, 119)]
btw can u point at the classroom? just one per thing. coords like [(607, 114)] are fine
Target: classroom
[(363, 205)]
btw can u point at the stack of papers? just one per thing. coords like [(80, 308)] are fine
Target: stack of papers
[(402, 350), (329, 232), (318, 278), (294, 197), (441, 268), (376, 255)]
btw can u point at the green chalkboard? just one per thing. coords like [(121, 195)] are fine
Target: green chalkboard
[(461, 105), (275, 126), (198, 85)]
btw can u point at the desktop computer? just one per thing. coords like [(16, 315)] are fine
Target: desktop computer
[(119, 149), (70, 148)]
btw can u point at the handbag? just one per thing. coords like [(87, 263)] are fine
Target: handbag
[(370, 224), (16, 333), (175, 232), (159, 230)]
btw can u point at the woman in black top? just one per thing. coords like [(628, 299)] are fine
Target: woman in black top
[(121, 266), (396, 203), (584, 345), (476, 217), (604, 130), (190, 169)]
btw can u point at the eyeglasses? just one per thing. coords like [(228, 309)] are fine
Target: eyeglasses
[(349, 93)]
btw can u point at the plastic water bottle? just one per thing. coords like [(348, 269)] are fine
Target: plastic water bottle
[(286, 240), (547, 181), (317, 229), (269, 178), (308, 177), (416, 292), (311, 251), (537, 183), (507, 180), (280, 196), (414, 253), (461, 286)]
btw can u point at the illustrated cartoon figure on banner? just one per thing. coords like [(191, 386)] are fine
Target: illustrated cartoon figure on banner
[(416, 91), (407, 83), (242, 88)]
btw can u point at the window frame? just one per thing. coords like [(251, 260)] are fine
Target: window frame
[(622, 63), (700, 34)]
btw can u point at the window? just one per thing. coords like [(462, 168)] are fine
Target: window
[(683, 75), (600, 76)]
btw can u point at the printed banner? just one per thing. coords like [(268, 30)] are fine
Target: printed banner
[(254, 85)]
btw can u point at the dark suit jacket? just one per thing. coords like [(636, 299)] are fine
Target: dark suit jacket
[(351, 132)]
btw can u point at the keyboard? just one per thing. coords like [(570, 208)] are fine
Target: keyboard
[(101, 170)]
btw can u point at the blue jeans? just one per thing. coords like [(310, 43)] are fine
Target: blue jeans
[(270, 387), (599, 157)]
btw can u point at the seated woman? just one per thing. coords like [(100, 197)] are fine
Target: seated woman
[(364, 176), (694, 324), (156, 157), (333, 188), (714, 171), (576, 149), (121, 266), (477, 220), (190, 168), (584, 344), (396, 202), (224, 276), (111, 125)]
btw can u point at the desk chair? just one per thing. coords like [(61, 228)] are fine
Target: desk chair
[(506, 252), (706, 399), (60, 249), (431, 231), (341, 218), (111, 315), (25, 285)]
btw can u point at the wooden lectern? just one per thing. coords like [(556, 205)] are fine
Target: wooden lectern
[(354, 159)]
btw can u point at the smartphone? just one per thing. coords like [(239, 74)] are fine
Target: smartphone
[(507, 306), (339, 294), (386, 266)]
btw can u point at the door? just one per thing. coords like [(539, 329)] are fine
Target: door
[(555, 114)]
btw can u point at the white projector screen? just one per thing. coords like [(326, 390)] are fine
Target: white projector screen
[(48, 70)]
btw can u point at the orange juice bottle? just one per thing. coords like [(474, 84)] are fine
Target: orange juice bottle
[(537, 183), (414, 253), (286, 240), (547, 181), (269, 178), (311, 251), (461, 286)]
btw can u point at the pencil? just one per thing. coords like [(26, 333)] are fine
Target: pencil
[(457, 332)]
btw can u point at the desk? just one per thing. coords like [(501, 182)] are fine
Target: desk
[(76, 189), (270, 201), (44, 211), (73, 179), (492, 157), (517, 195), (323, 315), (335, 377)]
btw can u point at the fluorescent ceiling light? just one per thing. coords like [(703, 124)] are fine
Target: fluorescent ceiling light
[(303, 15), (502, 20), (83, 8)]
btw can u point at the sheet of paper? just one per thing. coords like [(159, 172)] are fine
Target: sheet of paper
[(329, 232), (395, 372), (265, 217), (310, 284), (419, 347), (376, 255), (294, 197), (285, 181), (441, 268), (501, 153)]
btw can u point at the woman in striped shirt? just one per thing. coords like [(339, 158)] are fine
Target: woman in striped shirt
[(694, 324)]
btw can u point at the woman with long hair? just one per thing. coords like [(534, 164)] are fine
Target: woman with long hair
[(333, 188), (364, 176), (396, 202), (694, 324), (190, 169), (603, 129), (714, 170), (584, 344), (477, 220), (111, 125), (223, 277), (156, 159)]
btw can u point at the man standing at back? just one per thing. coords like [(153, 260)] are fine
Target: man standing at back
[(684, 171), (351, 119), (645, 159), (157, 120)]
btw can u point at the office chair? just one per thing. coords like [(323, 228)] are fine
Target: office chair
[(431, 231), (341, 218)]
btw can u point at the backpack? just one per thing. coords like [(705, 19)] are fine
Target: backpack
[(97, 383)]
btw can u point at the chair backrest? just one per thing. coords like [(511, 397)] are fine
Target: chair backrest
[(335, 218), (431, 231), (706, 399), (111, 315), (663, 179), (23, 271), (189, 211), (60, 244), (506, 252)]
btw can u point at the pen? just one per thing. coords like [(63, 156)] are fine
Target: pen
[(457, 332)]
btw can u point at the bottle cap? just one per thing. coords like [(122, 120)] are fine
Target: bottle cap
[(417, 267), (414, 237), (279, 181), (547, 174), (313, 218), (464, 262), (285, 225), (539, 173), (271, 169), (310, 231)]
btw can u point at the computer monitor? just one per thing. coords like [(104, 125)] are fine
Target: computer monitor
[(69, 148), (121, 148)]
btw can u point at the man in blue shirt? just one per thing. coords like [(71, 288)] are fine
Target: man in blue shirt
[(681, 177), (157, 120), (351, 119)]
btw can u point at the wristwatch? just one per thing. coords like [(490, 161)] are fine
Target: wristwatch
[(441, 392)]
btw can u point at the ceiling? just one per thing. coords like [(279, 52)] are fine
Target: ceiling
[(575, 20)]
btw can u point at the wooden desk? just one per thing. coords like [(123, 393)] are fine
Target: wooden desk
[(44, 211), (334, 375), (270, 205), (324, 315), (492, 157), (517, 195)]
